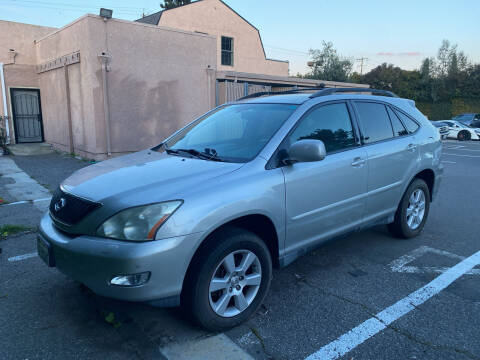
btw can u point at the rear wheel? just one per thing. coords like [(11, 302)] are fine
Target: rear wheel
[(229, 280), (412, 212), (464, 135)]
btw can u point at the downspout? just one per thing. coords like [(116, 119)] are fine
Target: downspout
[(69, 110), (106, 110), (5, 108), (105, 59)]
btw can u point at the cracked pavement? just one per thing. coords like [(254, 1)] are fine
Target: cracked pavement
[(321, 296)]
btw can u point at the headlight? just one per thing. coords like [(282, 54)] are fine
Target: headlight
[(138, 223)]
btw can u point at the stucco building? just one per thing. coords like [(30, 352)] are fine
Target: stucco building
[(101, 87)]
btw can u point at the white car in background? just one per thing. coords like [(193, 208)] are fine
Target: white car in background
[(461, 132)]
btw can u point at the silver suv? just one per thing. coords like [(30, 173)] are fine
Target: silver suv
[(200, 219)]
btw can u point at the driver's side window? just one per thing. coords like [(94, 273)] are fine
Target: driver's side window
[(330, 123)]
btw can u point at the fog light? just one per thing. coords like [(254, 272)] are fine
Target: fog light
[(131, 280)]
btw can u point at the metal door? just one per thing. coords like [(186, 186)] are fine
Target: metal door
[(27, 115)]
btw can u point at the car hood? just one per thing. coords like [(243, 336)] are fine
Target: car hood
[(147, 172)]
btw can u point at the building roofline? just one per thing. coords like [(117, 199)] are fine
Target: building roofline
[(287, 80), (165, 28), (228, 6), (33, 25), (284, 61)]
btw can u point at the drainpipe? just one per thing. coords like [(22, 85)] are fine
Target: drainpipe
[(69, 109), (106, 110), (5, 108)]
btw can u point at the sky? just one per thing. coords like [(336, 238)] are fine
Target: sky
[(399, 32)]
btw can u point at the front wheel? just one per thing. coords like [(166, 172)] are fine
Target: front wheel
[(464, 135), (230, 279), (412, 212)]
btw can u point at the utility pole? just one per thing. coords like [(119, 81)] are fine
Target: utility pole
[(362, 59)]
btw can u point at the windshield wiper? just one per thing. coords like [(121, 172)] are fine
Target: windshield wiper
[(198, 154)]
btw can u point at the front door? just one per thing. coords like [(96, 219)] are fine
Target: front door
[(325, 198), (27, 115)]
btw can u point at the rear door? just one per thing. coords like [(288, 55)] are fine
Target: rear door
[(327, 197), (392, 156)]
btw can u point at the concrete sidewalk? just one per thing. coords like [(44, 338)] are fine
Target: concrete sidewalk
[(27, 183)]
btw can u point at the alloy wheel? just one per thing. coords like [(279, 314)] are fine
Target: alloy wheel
[(416, 209), (235, 283)]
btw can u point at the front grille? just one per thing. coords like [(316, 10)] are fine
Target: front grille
[(70, 209)]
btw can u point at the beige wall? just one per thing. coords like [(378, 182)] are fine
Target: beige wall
[(76, 36), (214, 17), (20, 37), (19, 70), (154, 87)]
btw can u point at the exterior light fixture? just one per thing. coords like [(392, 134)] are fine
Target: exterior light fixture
[(106, 13)]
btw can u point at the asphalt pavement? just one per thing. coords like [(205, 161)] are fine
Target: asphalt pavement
[(314, 304)]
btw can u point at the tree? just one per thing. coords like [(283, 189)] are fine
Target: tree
[(328, 65), (170, 4)]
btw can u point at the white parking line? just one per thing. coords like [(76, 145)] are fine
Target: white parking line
[(461, 148), (448, 162), (210, 348), (22, 257), (380, 321), (462, 155)]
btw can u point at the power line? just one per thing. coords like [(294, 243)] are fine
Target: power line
[(362, 59), (286, 50), (71, 7)]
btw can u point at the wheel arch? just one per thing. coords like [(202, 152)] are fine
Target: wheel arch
[(259, 224), (427, 175)]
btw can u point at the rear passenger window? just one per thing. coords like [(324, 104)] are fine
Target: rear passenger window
[(375, 121), (329, 123), (411, 125), (398, 128)]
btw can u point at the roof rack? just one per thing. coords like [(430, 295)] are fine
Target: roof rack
[(293, 91), (331, 91), (322, 91)]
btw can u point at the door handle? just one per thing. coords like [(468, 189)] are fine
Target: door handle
[(411, 147), (358, 162)]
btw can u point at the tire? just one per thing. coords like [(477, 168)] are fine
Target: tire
[(408, 226), (464, 135), (209, 271)]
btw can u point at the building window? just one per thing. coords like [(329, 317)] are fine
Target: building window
[(227, 51)]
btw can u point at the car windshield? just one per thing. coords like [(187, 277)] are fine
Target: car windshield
[(233, 133), (463, 117)]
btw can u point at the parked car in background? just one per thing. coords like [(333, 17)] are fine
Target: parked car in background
[(442, 128), (200, 219), (460, 131), (475, 124), (467, 118)]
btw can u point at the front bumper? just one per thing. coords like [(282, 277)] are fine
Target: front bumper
[(94, 261)]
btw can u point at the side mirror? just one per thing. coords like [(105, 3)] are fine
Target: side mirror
[(306, 151)]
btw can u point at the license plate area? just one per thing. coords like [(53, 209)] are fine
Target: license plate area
[(45, 251)]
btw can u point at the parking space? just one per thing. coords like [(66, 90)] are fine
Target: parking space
[(324, 305)]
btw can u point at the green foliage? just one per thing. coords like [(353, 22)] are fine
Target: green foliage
[(328, 65), (443, 86), (8, 229), (170, 4)]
